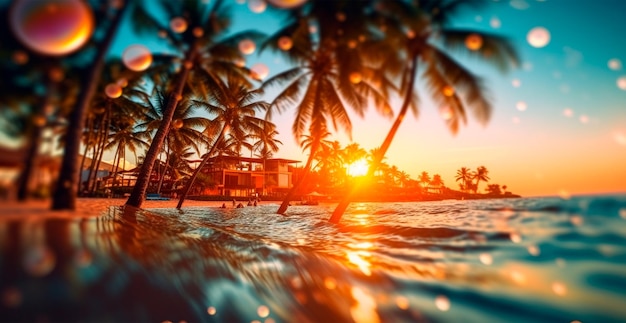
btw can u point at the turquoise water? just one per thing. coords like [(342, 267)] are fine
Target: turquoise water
[(514, 260)]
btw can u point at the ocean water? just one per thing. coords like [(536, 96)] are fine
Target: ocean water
[(501, 260)]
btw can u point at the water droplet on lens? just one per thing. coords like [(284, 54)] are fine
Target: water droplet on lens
[(486, 258), (568, 112), (52, 27), (402, 302), (39, 261), (113, 90), (442, 303), (515, 237), (533, 250), (257, 6), (259, 71), (583, 119), (495, 23), (11, 297), (474, 41), (211, 310), (247, 46), (621, 83), (615, 64), (559, 288), (516, 83), (538, 37), (287, 4), (355, 77), (285, 43), (137, 58), (178, 25), (263, 311), (330, 283)]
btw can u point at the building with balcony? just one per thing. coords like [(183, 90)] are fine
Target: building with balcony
[(245, 176)]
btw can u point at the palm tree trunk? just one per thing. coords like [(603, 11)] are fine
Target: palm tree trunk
[(341, 207), (199, 168), (167, 159), (307, 169), (143, 179), (64, 197), (98, 151), (82, 162), (32, 150)]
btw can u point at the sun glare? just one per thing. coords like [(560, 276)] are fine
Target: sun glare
[(358, 168)]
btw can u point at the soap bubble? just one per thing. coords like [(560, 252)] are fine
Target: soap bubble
[(538, 37), (137, 58), (287, 4), (178, 25), (52, 27)]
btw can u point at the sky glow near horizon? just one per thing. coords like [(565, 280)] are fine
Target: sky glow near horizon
[(559, 120), (558, 125)]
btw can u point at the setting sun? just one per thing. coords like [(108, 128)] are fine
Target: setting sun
[(358, 168)]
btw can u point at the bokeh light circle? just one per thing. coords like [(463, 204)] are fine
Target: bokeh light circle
[(20, 57), (247, 46), (113, 90), (615, 64), (448, 90), (495, 22), (257, 6), (538, 37), (52, 27), (259, 71), (474, 42), (198, 32), (178, 25), (356, 77), (287, 4), (521, 106), (177, 124), (285, 43), (621, 83), (137, 57)]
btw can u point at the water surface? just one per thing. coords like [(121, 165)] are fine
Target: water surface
[(509, 260)]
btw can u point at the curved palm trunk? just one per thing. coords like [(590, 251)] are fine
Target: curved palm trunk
[(30, 162), (341, 207), (32, 150), (139, 191), (64, 197), (476, 188), (98, 151), (82, 162), (167, 160), (199, 168), (307, 169)]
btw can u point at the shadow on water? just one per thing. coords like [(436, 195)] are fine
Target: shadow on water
[(409, 262)]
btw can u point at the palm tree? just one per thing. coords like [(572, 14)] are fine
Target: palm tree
[(205, 55), (64, 197), (446, 79), (234, 107), (464, 175), (320, 85), (424, 179), (481, 175), (437, 182), (265, 146)]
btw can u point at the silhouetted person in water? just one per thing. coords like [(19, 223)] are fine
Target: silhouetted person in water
[(239, 206), (254, 203), (249, 202), (223, 206), (234, 203)]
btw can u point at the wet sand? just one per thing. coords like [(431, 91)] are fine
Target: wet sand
[(91, 207)]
